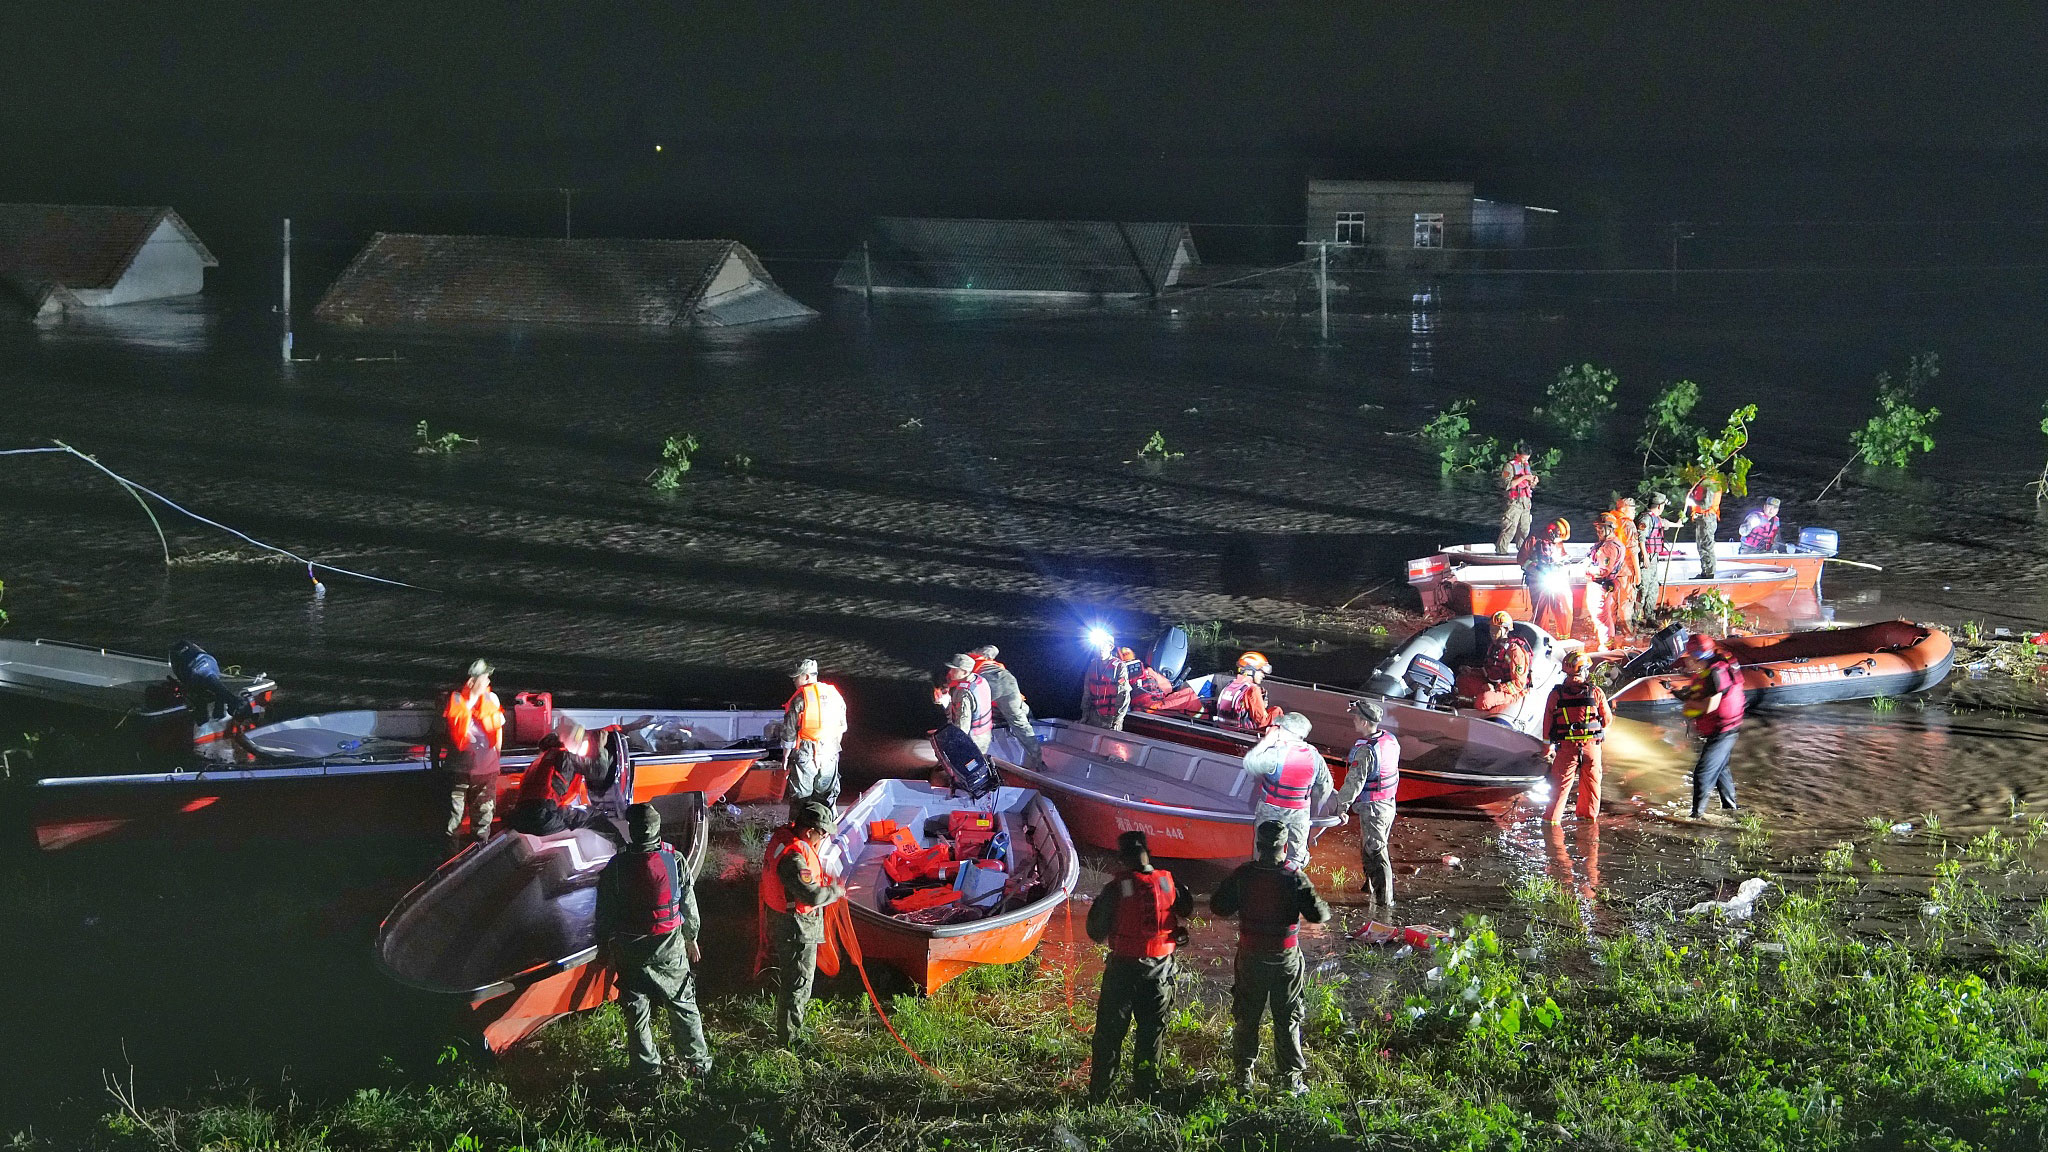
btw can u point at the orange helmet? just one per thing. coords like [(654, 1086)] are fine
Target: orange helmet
[(1254, 662), (1576, 663), (1126, 655), (1561, 529)]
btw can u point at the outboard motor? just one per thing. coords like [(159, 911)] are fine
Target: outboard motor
[(1660, 657), (198, 677), (969, 767), (1429, 678)]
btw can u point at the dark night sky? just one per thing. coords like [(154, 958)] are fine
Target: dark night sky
[(151, 101)]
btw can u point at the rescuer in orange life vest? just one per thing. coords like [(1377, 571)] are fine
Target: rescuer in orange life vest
[(1106, 688), (814, 724), (554, 793), (474, 728), (1140, 914), (1504, 673), (647, 925), (1606, 580), (970, 706), (1622, 518), (795, 887), (1269, 897), (1576, 724), (1547, 580), (1703, 505), (1292, 780), (1010, 706), (1241, 703)]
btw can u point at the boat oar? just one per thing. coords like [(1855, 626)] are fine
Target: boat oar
[(1851, 563)]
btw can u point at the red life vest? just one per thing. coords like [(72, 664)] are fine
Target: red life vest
[(1099, 690), (783, 843), (1290, 786), (1234, 708), (1145, 921), (653, 883), (1521, 480), (1606, 564), (981, 716), (1266, 919), (1720, 673), (552, 778), (1760, 531), (1500, 667), (1382, 765), (1575, 714), (1149, 687), (1652, 528)]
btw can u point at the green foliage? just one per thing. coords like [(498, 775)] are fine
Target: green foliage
[(1708, 606), (1155, 449), (1578, 399), (1668, 436), (739, 463), (1720, 458), (1458, 450), (1899, 430), (675, 462), (446, 444)]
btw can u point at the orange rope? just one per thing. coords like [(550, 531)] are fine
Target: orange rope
[(842, 924)]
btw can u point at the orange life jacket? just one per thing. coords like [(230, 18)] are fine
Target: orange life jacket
[(1501, 665), (824, 711), (1576, 714), (1099, 690), (1145, 922), (780, 845), (484, 711), (981, 715), (1291, 785)]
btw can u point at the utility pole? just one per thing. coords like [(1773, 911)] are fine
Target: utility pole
[(286, 307), (568, 219), (1322, 248), (867, 272)]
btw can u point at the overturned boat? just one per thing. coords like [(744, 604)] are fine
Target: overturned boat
[(1192, 802), (509, 925), (992, 915), (1784, 669), (372, 772)]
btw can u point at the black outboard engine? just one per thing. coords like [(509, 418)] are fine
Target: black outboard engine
[(198, 677), (971, 769), (1429, 679), (1660, 657)]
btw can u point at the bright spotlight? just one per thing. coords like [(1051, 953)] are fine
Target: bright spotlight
[(1100, 640)]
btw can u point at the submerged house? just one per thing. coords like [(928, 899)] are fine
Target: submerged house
[(402, 278), (1417, 225), (1019, 259), (56, 257)]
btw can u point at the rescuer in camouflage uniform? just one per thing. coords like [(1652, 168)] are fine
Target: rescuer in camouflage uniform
[(1010, 707), (1268, 896), (647, 921), (793, 878), (1139, 915), (812, 761)]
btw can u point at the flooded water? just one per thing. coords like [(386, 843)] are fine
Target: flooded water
[(915, 481)]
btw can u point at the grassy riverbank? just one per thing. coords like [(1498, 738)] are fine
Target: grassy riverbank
[(1842, 1016)]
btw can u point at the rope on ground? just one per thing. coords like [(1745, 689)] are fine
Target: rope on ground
[(138, 491), (842, 923)]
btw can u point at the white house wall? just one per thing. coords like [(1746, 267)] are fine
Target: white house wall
[(167, 266)]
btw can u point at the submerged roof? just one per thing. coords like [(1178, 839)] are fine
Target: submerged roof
[(1084, 257), (403, 278), (81, 246)]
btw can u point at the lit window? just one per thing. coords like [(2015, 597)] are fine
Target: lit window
[(1429, 229), (1350, 227)]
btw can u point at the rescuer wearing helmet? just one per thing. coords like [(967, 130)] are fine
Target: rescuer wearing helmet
[(813, 725), (1622, 602), (473, 725), (1503, 675), (1716, 701), (1576, 723), (1106, 688), (970, 706), (1518, 481), (795, 888), (1703, 505), (1606, 578), (1269, 897), (1241, 704), (1547, 580), (1291, 782), (1010, 706), (1140, 914), (647, 922), (1760, 528), (1372, 778), (554, 793)]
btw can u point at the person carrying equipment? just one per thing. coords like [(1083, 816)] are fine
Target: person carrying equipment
[(473, 731), (1010, 707), (1141, 914), (1547, 579), (1106, 689), (1760, 528), (814, 725), (1504, 673), (647, 924), (1241, 704), (795, 888), (970, 707), (1650, 529), (1576, 724), (1269, 899), (554, 793), (1716, 702), (1292, 782), (1703, 507), (1372, 778), (1606, 574), (1622, 517), (1518, 481)]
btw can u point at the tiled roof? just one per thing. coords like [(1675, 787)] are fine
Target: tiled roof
[(401, 278), (81, 246), (1086, 257)]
